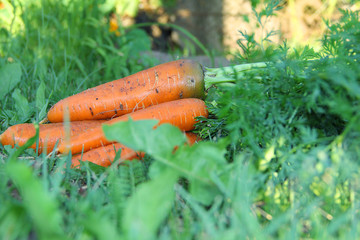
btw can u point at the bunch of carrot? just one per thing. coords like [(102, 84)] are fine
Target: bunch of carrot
[(170, 92)]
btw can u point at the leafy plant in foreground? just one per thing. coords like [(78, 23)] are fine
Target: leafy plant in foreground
[(157, 196)]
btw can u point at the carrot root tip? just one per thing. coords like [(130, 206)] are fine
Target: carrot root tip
[(45, 120)]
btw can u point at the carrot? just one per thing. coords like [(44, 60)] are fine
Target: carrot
[(180, 113), (104, 155), (49, 134), (163, 83)]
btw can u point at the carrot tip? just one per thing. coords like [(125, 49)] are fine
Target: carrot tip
[(45, 120)]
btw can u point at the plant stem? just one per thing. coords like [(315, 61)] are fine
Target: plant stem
[(237, 68), (216, 76)]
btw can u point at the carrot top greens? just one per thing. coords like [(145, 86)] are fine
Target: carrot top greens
[(279, 157)]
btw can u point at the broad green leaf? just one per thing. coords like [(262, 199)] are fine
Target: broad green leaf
[(10, 75), (103, 229), (202, 158), (203, 193), (152, 201), (40, 100), (195, 163), (149, 206), (40, 205), (13, 223), (141, 136), (21, 104), (198, 163), (40, 96)]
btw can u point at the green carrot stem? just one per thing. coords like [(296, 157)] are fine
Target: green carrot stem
[(209, 81), (216, 76), (236, 68)]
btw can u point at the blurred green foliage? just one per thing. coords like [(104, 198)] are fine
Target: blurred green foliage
[(67, 46), (279, 160)]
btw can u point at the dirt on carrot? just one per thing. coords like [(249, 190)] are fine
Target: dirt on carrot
[(163, 83), (49, 134), (180, 113), (104, 155)]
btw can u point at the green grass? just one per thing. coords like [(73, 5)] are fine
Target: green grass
[(279, 160)]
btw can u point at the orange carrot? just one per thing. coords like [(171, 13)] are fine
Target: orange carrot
[(180, 113), (49, 134), (104, 155), (163, 83)]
